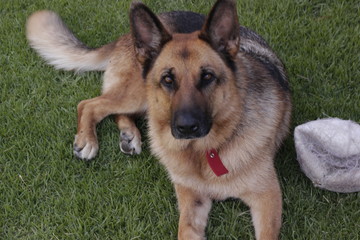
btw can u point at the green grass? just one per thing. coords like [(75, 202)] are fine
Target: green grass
[(46, 193)]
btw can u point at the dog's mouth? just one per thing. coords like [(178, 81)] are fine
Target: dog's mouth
[(190, 125)]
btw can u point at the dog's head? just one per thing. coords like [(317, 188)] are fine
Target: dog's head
[(187, 75)]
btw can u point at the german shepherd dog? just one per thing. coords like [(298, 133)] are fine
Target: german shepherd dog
[(215, 95)]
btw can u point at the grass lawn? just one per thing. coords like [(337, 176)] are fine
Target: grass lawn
[(46, 193)]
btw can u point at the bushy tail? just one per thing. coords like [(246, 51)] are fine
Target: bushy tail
[(51, 38)]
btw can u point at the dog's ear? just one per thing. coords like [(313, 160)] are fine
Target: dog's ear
[(148, 32), (221, 28)]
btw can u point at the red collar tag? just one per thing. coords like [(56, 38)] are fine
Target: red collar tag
[(215, 163)]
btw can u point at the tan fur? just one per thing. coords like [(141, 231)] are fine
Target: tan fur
[(250, 111)]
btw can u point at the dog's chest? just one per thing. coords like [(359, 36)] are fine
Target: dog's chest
[(196, 173)]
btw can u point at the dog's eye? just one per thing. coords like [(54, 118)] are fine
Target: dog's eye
[(168, 81), (205, 79)]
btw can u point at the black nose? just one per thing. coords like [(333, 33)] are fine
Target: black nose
[(187, 125), (190, 124)]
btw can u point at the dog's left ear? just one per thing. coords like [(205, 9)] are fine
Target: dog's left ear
[(148, 32), (221, 28)]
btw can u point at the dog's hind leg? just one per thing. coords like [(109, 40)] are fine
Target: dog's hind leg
[(130, 137)]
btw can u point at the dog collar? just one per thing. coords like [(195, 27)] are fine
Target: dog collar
[(215, 163)]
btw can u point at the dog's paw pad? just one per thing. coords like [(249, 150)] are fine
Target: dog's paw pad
[(130, 143)]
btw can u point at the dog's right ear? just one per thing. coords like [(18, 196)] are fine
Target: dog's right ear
[(148, 32)]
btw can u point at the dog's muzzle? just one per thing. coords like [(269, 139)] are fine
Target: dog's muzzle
[(190, 123)]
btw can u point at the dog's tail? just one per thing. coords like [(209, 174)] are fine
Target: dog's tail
[(52, 39)]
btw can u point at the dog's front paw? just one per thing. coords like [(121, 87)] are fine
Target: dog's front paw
[(130, 143), (85, 148)]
